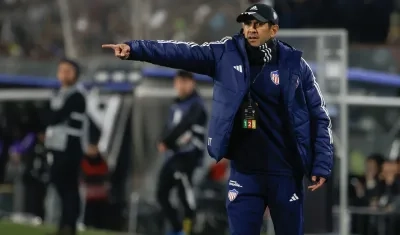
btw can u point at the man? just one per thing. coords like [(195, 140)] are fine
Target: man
[(268, 117), (183, 146), (63, 140)]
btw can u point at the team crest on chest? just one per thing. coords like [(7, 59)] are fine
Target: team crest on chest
[(232, 194), (275, 77)]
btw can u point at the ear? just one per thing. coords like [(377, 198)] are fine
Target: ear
[(274, 30)]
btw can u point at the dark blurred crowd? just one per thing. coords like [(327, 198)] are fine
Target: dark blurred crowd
[(34, 28), (376, 194)]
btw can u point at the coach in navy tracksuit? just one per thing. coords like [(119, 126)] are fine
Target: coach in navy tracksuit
[(268, 116)]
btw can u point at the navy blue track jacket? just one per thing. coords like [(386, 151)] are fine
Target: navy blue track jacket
[(227, 63)]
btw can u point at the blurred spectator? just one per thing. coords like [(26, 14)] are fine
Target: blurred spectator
[(94, 22), (367, 187), (96, 183), (378, 189), (389, 196), (367, 192), (390, 185)]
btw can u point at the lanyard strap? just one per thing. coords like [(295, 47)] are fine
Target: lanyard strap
[(252, 81)]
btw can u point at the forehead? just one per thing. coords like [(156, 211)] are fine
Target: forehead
[(65, 65)]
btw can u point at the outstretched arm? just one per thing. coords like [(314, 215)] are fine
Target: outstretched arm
[(174, 54)]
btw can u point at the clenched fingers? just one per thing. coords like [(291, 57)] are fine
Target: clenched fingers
[(318, 182), (124, 50)]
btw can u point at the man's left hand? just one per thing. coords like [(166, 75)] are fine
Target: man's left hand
[(318, 182)]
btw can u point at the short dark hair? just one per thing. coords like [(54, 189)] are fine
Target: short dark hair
[(376, 157), (73, 64), (184, 74)]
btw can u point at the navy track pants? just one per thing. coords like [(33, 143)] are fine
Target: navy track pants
[(250, 194)]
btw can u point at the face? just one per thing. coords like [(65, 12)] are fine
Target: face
[(371, 167), (66, 74), (257, 33), (389, 168), (183, 86)]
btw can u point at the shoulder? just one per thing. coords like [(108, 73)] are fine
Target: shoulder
[(305, 66), (291, 56), (227, 43), (214, 44), (78, 97), (306, 69)]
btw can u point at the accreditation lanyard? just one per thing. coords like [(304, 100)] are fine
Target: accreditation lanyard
[(250, 108)]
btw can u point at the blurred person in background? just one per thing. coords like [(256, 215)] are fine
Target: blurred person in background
[(96, 182), (268, 117), (182, 145), (367, 187), (390, 185), (63, 140), (367, 191), (97, 188), (389, 198)]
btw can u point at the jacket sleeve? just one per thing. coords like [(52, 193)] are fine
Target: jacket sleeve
[(194, 115), (321, 133), (179, 55)]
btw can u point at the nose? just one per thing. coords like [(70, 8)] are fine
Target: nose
[(252, 28), (254, 25)]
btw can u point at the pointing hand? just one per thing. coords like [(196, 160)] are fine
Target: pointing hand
[(121, 51)]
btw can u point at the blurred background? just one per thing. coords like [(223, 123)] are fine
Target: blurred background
[(353, 47)]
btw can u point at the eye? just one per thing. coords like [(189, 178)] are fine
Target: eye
[(259, 24), (247, 22)]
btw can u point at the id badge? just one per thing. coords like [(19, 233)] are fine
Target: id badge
[(249, 115)]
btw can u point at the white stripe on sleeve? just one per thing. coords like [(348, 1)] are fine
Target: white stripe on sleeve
[(323, 104)]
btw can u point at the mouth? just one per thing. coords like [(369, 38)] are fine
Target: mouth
[(252, 37)]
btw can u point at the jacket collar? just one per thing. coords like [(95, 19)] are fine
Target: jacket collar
[(288, 55)]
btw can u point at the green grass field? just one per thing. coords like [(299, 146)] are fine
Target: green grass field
[(8, 228)]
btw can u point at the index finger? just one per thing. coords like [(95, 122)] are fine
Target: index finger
[(112, 46)]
